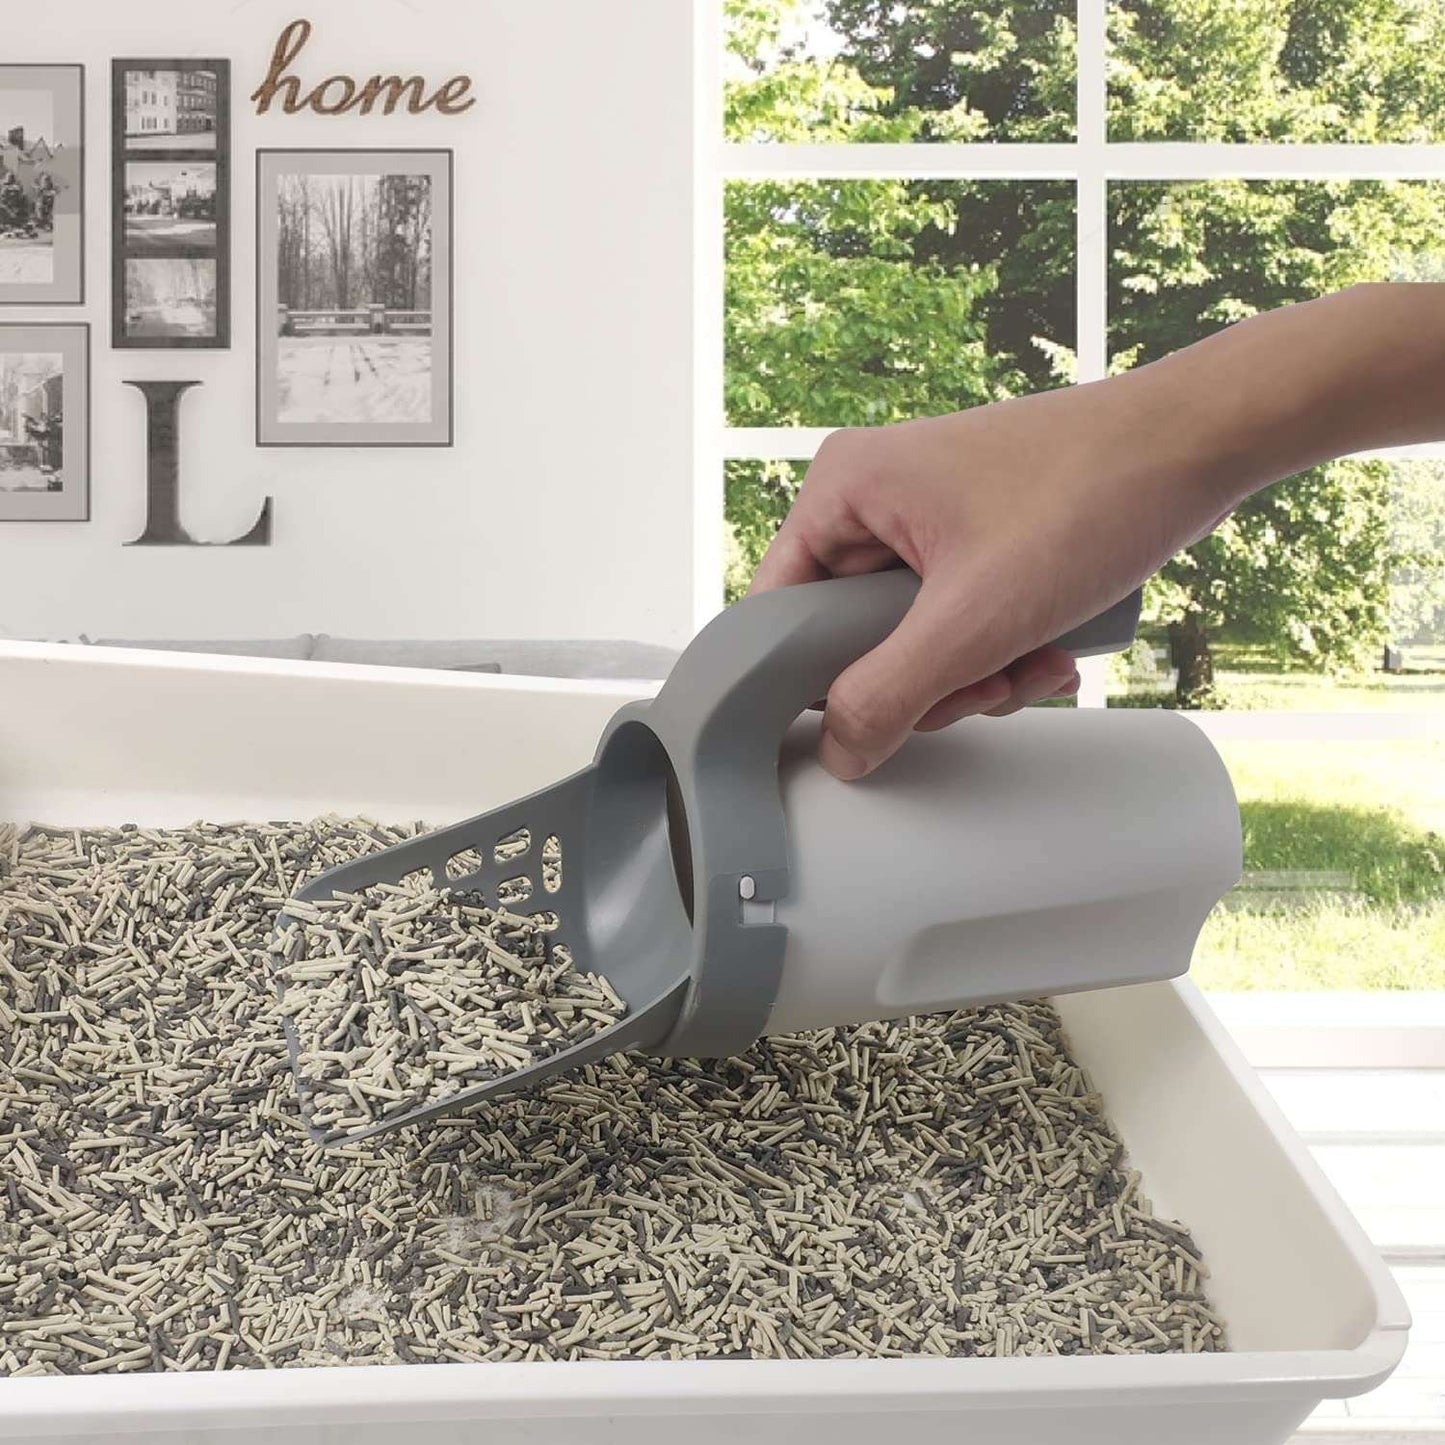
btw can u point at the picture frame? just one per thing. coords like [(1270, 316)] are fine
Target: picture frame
[(45, 421), (42, 185), (171, 204), (361, 357)]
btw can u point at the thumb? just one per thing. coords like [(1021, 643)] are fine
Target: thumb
[(873, 706)]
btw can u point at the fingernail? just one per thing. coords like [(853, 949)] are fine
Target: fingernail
[(1070, 687), (843, 765)]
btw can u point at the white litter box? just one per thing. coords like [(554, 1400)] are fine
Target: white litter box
[(89, 737)]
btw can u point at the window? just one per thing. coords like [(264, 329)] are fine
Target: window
[(928, 204)]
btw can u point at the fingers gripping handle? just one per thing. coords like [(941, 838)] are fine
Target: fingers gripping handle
[(721, 717)]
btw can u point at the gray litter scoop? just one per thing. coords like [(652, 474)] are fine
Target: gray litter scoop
[(727, 887)]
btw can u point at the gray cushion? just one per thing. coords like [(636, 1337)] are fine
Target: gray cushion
[(542, 658), (298, 648)]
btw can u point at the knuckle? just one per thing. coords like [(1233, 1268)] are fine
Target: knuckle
[(837, 457), (848, 473), (861, 717), (836, 443)]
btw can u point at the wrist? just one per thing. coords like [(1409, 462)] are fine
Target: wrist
[(1289, 389), (1237, 410), (1165, 444)]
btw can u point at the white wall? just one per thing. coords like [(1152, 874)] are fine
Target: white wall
[(566, 506)]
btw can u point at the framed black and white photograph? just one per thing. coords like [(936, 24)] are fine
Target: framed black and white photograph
[(170, 299), (170, 208), (45, 422), (171, 105), (171, 203), (354, 297), (42, 185)]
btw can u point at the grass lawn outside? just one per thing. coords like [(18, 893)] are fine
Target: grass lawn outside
[(1350, 836), (1330, 945), (1248, 676), (1371, 816)]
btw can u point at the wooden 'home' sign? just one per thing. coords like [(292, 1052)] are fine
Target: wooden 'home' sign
[(340, 94)]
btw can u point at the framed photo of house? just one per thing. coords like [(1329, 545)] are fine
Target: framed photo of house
[(42, 185), (171, 204), (45, 422), (354, 298)]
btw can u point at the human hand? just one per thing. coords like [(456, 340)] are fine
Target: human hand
[(1024, 519)]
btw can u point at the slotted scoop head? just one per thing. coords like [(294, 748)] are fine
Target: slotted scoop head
[(478, 858)]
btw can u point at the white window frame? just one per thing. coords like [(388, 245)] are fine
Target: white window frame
[(1091, 161)]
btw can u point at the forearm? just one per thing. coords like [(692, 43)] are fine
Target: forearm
[(1291, 388), (1028, 516)]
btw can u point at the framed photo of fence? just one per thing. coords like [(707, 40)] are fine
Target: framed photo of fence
[(42, 185), (171, 204), (354, 298), (45, 422)]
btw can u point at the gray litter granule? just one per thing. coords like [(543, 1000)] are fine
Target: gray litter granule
[(946, 1185), (403, 995)]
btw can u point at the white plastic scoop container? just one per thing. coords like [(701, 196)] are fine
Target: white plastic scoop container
[(1052, 851)]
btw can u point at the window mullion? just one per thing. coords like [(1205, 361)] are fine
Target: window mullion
[(709, 290), (907, 161), (1117, 160), (1091, 217), (1091, 220), (1306, 161)]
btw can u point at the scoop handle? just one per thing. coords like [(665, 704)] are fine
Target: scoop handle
[(1111, 631), (757, 665)]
